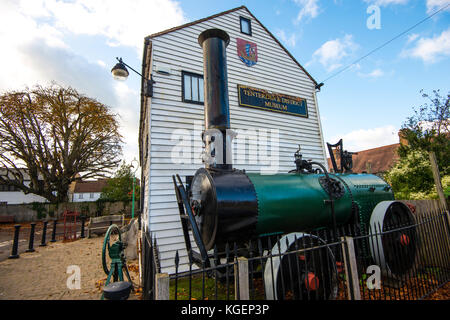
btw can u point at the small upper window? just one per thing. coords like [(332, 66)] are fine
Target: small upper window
[(192, 88), (246, 26)]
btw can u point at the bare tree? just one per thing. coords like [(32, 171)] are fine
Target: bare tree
[(53, 136)]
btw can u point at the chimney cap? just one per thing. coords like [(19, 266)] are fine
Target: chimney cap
[(213, 33)]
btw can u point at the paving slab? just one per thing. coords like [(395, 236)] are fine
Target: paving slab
[(42, 275)]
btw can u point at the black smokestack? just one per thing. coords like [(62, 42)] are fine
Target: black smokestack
[(217, 110)]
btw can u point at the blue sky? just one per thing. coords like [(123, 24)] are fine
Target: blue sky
[(75, 43)]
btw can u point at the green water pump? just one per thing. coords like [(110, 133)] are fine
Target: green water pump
[(117, 266)]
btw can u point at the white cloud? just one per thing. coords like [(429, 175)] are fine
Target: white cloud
[(412, 37), (34, 8), (36, 40), (101, 63), (122, 23), (376, 73), (332, 52), (27, 22), (287, 40), (309, 8), (364, 139), (17, 32), (430, 50), (433, 5), (385, 3)]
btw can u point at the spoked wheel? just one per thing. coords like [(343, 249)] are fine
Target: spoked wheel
[(395, 249), (293, 273), (111, 237)]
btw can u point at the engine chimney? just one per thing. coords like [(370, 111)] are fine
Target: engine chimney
[(217, 110)]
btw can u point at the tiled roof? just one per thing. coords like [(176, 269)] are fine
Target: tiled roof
[(90, 186), (375, 160)]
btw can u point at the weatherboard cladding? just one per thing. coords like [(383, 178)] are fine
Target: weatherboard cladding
[(275, 71)]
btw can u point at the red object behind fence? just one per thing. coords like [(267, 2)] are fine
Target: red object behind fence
[(70, 225)]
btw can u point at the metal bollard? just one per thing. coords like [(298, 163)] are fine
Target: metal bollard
[(83, 219), (44, 232), (54, 231), (15, 247), (31, 241)]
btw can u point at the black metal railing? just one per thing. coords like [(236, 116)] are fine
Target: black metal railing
[(406, 275), (41, 233), (151, 266), (394, 261)]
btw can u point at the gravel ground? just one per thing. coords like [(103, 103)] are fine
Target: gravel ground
[(42, 275)]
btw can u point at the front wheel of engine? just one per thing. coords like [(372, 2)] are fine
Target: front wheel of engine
[(393, 242), (294, 271)]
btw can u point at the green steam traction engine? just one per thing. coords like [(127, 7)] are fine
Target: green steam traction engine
[(221, 204)]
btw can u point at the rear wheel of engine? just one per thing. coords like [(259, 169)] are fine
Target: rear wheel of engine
[(394, 247), (297, 274)]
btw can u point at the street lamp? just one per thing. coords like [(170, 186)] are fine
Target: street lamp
[(134, 179), (120, 72)]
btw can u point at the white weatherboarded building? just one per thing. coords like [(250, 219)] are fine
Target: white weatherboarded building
[(172, 120)]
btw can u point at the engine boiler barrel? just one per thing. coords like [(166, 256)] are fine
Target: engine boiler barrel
[(236, 206), (295, 202)]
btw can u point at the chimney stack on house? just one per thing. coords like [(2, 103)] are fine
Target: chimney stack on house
[(402, 137)]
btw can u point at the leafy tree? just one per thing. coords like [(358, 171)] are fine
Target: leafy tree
[(53, 136), (411, 177), (428, 129), (120, 187)]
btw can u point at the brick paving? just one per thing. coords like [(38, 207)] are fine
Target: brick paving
[(41, 275), (7, 236)]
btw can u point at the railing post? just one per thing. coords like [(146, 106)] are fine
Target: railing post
[(437, 180), (162, 286), (83, 220), (241, 276), (31, 241), (139, 222), (54, 231), (351, 269), (439, 189), (15, 247), (44, 232), (139, 243)]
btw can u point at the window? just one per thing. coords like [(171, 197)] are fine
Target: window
[(246, 26), (192, 88), (8, 188), (91, 195), (80, 196)]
